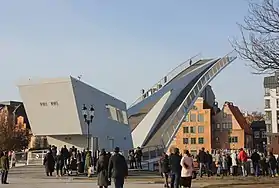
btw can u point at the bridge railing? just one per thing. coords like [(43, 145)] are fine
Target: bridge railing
[(172, 74)]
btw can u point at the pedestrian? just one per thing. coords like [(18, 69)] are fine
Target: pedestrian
[(102, 170), (175, 168), (242, 157), (229, 162), (59, 164), (264, 165), (5, 166), (255, 157), (49, 163), (138, 156), (234, 163), (272, 164), (165, 168), (132, 159), (187, 170), (118, 168), (209, 162), (202, 159), (88, 163), (224, 165), (218, 162)]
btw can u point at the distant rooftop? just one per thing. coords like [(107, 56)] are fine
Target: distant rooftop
[(272, 81), (10, 103)]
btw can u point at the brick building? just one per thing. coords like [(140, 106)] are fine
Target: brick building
[(259, 135), (230, 129), (213, 129), (195, 131)]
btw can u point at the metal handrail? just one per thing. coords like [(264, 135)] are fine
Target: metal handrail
[(192, 89), (170, 75)]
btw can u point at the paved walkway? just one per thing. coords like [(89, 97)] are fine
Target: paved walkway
[(26, 177)]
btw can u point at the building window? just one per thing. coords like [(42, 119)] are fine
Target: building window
[(185, 129), (217, 139), (268, 128), (119, 116), (218, 125), (186, 118), (263, 134), (277, 90), (194, 108), (224, 125), (225, 115), (192, 129), (193, 117), (200, 117), (268, 139), (116, 114), (185, 140), (200, 129), (201, 140), (43, 103), (268, 115), (266, 91), (257, 134), (193, 140), (55, 103), (108, 112), (267, 103), (277, 101), (229, 125), (233, 139)]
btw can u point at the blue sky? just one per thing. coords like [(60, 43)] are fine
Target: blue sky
[(122, 46)]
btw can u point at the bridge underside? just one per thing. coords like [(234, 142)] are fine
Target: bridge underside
[(154, 121)]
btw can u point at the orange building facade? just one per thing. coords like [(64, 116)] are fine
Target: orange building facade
[(195, 131), (206, 127)]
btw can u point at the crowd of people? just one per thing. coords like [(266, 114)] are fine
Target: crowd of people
[(181, 169), (106, 165)]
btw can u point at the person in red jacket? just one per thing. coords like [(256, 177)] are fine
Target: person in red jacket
[(242, 157)]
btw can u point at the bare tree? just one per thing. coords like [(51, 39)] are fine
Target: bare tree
[(259, 43)]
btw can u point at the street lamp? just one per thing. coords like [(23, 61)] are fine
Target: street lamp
[(88, 115)]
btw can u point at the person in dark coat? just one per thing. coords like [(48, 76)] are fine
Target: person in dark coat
[(118, 168), (202, 159), (165, 168), (138, 157), (132, 159), (175, 168), (229, 162), (209, 162), (5, 166), (102, 170), (256, 162), (49, 163), (59, 164), (272, 164)]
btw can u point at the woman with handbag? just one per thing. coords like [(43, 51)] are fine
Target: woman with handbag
[(187, 170)]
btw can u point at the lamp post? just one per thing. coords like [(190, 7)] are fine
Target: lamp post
[(88, 115)]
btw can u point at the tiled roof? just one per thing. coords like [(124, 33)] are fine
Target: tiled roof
[(239, 118)]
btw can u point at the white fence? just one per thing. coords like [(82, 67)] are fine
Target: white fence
[(28, 158)]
